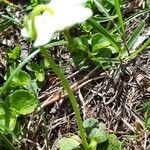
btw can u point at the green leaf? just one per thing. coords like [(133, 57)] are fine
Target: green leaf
[(101, 19), (40, 75), (99, 42), (99, 135), (113, 142), (120, 18), (33, 67), (9, 19), (89, 124), (111, 1), (7, 120), (147, 116), (34, 2), (71, 143), (148, 123), (5, 25), (7, 123), (135, 34), (139, 50), (79, 58), (21, 79), (33, 86), (103, 57), (101, 7), (105, 62), (86, 27), (82, 43), (104, 53), (15, 53), (38, 70), (148, 3), (46, 63), (10, 70), (3, 108), (106, 34), (22, 102)]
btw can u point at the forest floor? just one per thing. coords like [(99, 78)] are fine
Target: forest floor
[(114, 96)]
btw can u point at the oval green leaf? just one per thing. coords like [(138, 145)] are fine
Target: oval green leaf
[(22, 102), (21, 79), (7, 120), (70, 143)]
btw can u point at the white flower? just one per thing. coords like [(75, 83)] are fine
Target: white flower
[(66, 13)]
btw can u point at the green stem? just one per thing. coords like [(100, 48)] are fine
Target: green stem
[(93, 145), (120, 18), (7, 141), (7, 83), (70, 41), (70, 94)]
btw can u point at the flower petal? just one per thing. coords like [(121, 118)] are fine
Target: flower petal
[(44, 30), (25, 33), (66, 13), (65, 3), (71, 17), (42, 40)]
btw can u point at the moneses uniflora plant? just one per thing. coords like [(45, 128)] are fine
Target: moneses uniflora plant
[(55, 16), (40, 26)]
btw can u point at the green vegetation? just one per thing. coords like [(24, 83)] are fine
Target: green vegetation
[(102, 41)]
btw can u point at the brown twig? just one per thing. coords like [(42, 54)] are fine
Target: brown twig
[(61, 94)]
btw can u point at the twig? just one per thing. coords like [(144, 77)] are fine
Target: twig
[(61, 95)]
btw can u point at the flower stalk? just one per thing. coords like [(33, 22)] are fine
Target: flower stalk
[(70, 94)]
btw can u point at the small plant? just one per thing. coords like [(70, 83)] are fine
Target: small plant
[(102, 42), (97, 137), (146, 110), (20, 102)]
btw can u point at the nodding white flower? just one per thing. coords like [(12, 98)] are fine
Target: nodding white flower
[(62, 14)]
